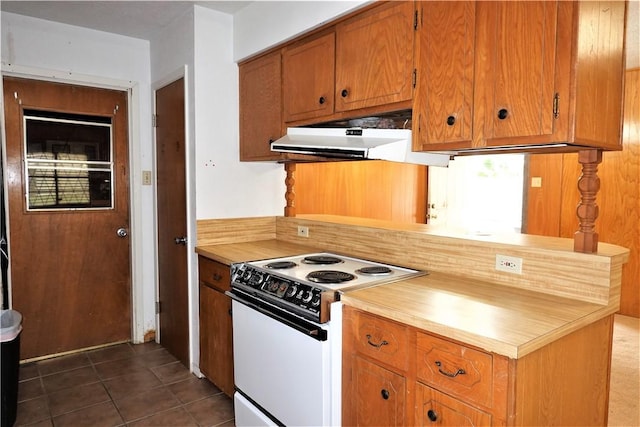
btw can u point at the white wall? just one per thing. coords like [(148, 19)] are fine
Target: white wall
[(263, 24), (41, 49)]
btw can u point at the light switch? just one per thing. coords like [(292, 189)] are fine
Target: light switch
[(146, 177), (536, 181)]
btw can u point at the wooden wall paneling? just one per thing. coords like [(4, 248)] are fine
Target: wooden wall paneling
[(372, 189), (544, 203)]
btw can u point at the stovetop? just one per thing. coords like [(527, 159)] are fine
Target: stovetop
[(334, 272), (306, 284)]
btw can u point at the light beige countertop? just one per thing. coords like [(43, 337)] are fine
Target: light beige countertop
[(252, 251), (500, 319), (504, 320)]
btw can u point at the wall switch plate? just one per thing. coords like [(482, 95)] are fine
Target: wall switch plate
[(146, 177), (303, 231), (509, 264), (536, 181)]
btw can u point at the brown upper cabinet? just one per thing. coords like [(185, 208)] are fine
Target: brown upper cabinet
[(363, 62), (308, 78), (489, 75), (544, 73), (260, 107)]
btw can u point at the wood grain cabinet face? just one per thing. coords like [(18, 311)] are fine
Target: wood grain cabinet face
[(374, 57), (438, 409), (378, 395), (385, 341), (455, 369), (508, 73), (260, 84), (216, 346), (518, 41), (308, 78), (443, 98)]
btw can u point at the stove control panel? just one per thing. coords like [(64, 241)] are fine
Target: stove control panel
[(289, 294)]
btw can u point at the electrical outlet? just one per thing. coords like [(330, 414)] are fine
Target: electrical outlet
[(509, 264), (146, 177), (303, 231)]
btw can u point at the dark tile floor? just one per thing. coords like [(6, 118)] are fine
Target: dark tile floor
[(121, 385)]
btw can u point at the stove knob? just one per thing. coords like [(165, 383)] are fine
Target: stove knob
[(307, 296), (291, 291), (316, 300)]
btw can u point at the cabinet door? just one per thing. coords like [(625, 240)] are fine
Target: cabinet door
[(374, 57), (377, 394), (438, 409), (443, 99), (260, 107), (216, 351), (515, 70), (307, 79)]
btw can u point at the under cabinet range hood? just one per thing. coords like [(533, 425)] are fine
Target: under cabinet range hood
[(356, 144)]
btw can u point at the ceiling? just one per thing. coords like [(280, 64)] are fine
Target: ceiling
[(139, 19)]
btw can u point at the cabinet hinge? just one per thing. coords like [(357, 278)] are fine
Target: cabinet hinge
[(154, 120), (556, 105), (414, 78), (158, 307), (415, 20)]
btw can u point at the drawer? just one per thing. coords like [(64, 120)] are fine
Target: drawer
[(214, 274), (382, 340), (455, 369), (435, 408)]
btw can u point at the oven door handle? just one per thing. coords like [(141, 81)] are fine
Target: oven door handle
[(294, 322)]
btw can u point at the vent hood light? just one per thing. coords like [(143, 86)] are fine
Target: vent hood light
[(356, 144)]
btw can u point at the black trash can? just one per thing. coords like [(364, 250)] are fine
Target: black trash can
[(11, 326)]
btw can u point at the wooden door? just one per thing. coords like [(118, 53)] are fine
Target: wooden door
[(68, 193), (260, 107), (308, 79), (515, 69), (378, 395), (374, 57), (172, 220), (444, 86)]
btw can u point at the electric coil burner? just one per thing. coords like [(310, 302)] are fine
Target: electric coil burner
[(330, 276), (299, 283)]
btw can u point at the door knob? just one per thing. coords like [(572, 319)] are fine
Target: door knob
[(122, 232), (181, 240)]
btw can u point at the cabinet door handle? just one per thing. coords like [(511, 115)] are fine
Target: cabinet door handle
[(385, 394), (451, 120), (449, 374), (503, 113), (344, 93), (431, 414), (271, 140), (384, 342), (321, 100)]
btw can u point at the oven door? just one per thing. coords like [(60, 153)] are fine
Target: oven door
[(281, 370)]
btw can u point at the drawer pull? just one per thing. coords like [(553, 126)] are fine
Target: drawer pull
[(385, 394), (449, 374), (384, 342), (217, 277), (431, 414)]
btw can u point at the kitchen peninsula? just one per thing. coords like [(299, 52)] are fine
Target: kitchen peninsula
[(535, 347)]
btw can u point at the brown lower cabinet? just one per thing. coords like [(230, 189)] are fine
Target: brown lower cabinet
[(216, 338), (395, 374)]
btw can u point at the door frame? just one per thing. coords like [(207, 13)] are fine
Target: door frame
[(192, 258), (135, 196)]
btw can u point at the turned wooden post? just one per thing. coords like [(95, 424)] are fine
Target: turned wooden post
[(586, 239), (290, 194)]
